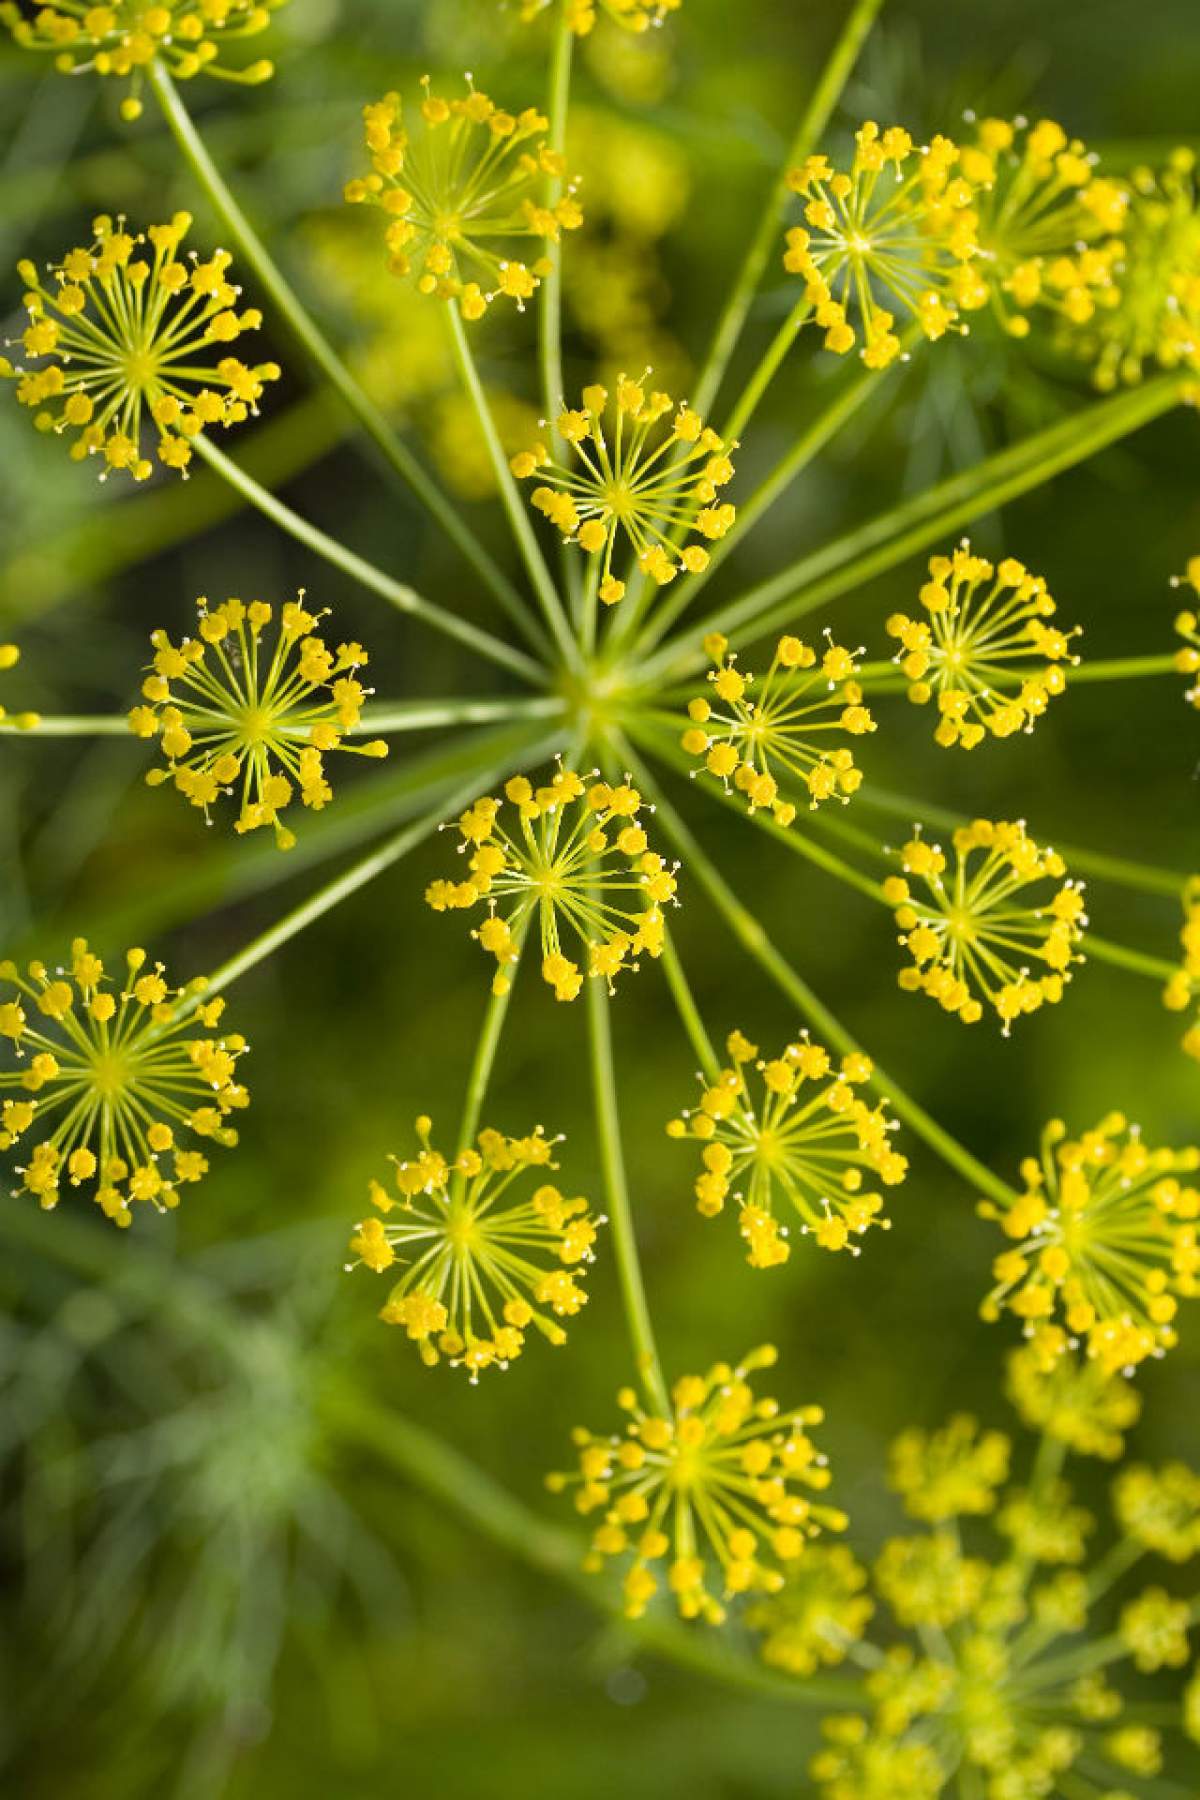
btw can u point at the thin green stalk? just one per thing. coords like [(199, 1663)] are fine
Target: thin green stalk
[(67, 725), (886, 678), (304, 329), (1140, 876), (689, 1012), (877, 546), (825, 97), (1096, 1655), (518, 517), (751, 935), (766, 371), (433, 715), (1136, 961), (550, 309), (484, 1059), (404, 598), (620, 1212)]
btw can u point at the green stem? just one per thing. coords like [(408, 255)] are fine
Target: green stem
[(303, 328), (877, 546), (825, 97), (750, 934), (1096, 1655), (404, 598), (67, 725), (431, 715), (1136, 961), (766, 371), (886, 678), (620, 1213), (550, 312), (518, 517), (689, 1012), (484, 1059)]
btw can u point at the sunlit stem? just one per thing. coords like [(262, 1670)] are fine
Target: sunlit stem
[(66, 725), (689, 1012), (751, 935), (404, 598), (877, 546), (285, 302), (824, 98), (518, 517), (616, 1187)]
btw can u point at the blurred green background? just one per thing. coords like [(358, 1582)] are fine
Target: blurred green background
[(210, 1593)]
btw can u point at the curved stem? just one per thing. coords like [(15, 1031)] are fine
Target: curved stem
[(750, 934), (404, 598), (825, 97), (620, 1213), (303, 328), (518, 518)]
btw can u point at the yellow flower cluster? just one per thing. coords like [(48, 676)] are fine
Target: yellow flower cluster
[(971, 936), (635, 482), (1184, 984), (950, 1473), (804, 696), (1105, 1238), (1074, 1400), (891, 236), (461, 189), (233, 714), (124, 37), (1160, 1509), (818, 1615), (974, 652), (481, 1266), (1187, 660), (124, 338), (10, 656), (717, 1487), (810, 1142), (578, 857), (631, 15), (113, 1080)]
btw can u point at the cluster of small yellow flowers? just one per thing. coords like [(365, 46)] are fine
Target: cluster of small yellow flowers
[(632, 482), (949, 1473), (1184, 984), (714, 1487), (578, 856), (631, 15), (873, 241), (124, 339), (971, 937), (818, 1615), (1160, 1509), (1040, 206), (1151, 315), (1187, 660), (804, 695), (471, 1288), (10, 656), (975, 651), (113, 1079), (463, 188), (1154, 1629), (124, 37), (1073, 1400), (809, 1142), (234, 715), (1105, 1235)]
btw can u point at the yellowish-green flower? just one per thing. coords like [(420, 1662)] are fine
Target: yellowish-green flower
[(480, 1264), (10, 656), (818, 1615), (1184, 984), (1104, 1240), (1154, 1628), (986, 654), (716, 1492), (238, 712), (759, 743), (882, 240), (123, 38), (578, 858), (1073, 1400), (632, 483), (974, 938), (1160, 1509), (950, 1473), (109, 1085), (809, 1143), (128, 339), (460, 190)]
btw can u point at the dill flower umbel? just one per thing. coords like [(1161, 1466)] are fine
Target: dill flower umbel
[(1039, 204), (716, 1488), (1160, 1509), (977, 651), (874, 243), (804, 695), (10, 656), (459, 191), (973, 940), (950, 1473), (114, 1080), (631, 15), (480, 1266), (818, 1615), (127, 337), (576, 855), (123, 37), (810, 1143), (1184, 984), (233, 714), (1104, 1238), (1074, 1400), (634, 482)]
